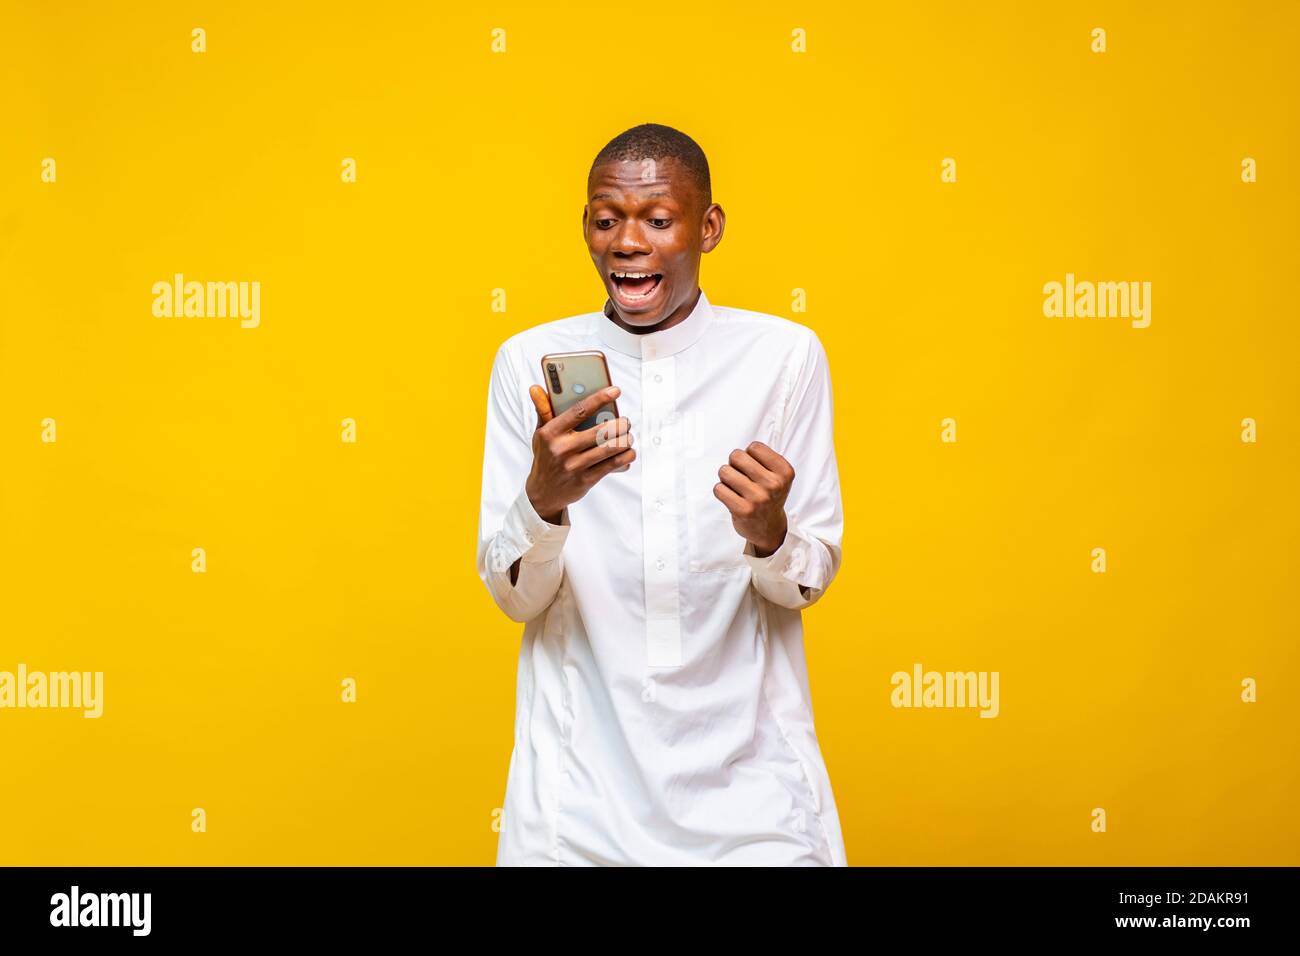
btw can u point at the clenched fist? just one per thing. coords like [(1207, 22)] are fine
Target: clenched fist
[(753, 485)]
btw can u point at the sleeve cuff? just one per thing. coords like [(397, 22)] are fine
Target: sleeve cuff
[(532, 536), (787, 565)]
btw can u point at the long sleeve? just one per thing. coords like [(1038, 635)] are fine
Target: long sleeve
[(798, 573), (510, 528)]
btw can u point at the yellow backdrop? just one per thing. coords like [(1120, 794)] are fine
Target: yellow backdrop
[(828, 127)]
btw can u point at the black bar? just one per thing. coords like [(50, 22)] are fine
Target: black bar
[(366, 905)]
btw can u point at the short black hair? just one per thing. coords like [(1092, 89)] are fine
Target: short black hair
[(654, 141)]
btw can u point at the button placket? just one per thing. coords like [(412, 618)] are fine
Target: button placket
[(659, 515)]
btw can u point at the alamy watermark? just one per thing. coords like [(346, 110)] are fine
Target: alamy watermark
[(76, 690), (922, 688), (1085, 299), (183, 299)]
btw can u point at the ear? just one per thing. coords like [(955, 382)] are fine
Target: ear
[(715, 221), (584, 218)]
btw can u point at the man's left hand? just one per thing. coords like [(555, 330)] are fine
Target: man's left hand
[(754, 484)]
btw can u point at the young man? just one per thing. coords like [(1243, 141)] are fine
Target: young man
[(662, 709)]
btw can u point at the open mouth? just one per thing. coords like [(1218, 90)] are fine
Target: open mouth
[(635, 288)]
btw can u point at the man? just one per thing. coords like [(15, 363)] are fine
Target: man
[(662, 708)]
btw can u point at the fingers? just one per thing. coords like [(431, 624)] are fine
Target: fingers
[(770, 480), (542, 402), (610, 431), (744, 463), (758, 472), (611, 439), (734, 502), (620, 462), (581, 409), (770, 460), (574, 442), (738, 482)]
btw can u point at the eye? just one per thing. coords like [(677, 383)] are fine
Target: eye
[(604, 223), (661, 223)]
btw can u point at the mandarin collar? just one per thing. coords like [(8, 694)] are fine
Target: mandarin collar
[(654, 345)]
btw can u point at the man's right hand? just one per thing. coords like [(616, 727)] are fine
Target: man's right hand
[(566, 462)]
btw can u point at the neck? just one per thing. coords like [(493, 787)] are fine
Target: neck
[(677, 316)]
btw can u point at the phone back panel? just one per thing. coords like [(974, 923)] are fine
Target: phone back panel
[(575, 375)]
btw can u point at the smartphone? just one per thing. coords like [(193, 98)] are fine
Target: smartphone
[(570, 376)]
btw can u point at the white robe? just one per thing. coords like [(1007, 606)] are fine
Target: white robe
[(663, 714)]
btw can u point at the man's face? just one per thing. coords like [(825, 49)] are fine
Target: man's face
[(646, 226)]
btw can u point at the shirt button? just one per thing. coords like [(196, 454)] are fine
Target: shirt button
[(659, 378), (656, 439), (659, 564), (659, 504), (528, 536)]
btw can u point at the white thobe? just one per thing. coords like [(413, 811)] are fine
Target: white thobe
[(663, 714)]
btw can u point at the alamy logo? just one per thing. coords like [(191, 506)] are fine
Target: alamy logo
[(208, 300), (102, 909), (71, 689), (946, 689), (1099, 300)]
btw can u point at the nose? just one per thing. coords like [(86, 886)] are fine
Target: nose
[(631, 240)]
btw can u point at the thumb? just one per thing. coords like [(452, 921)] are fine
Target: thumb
[(542, 402)]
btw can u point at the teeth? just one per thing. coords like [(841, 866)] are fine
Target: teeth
[(635, 275)]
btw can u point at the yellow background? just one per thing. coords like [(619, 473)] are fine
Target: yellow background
[(328, 560)]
